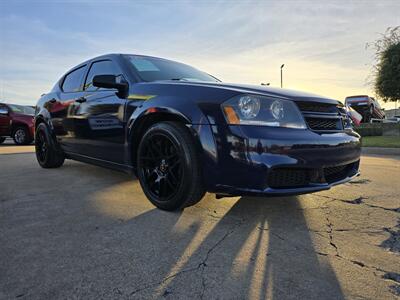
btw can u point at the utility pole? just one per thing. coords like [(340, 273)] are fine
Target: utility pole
[(282, 75)]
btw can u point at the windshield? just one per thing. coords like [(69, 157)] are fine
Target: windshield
[(355, 99), (26, 110), (154, 69)]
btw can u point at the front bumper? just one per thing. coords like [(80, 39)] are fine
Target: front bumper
[(32, 130), (256, 160)]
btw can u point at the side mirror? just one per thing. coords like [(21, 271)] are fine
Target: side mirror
[(3, 111), (110, 82)]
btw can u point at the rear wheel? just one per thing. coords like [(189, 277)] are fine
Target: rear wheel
[(2, 139), (46, 153), (168, 167), (21, 136)]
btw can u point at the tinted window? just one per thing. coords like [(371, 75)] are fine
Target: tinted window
[(105, 67), (27, 110), (3, 107), (73, 81), (153, 69)]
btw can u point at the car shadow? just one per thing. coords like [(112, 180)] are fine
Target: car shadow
[(259, 248), (91, 233), (262, 247)]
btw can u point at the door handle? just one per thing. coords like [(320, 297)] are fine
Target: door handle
[(81, 100)]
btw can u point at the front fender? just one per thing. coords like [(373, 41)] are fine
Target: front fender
[(156, 110), (185, 111), (43, 116)]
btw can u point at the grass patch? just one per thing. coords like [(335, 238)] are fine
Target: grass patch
[(381, 141)]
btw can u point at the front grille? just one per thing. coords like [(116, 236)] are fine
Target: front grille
[(337, 173), (324, 124), (317, 107), (288, 178), (321, 116)]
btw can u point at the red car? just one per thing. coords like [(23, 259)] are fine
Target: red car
[(368, 107), (16, 121)]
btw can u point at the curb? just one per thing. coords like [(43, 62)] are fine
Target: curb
[(380, 151)]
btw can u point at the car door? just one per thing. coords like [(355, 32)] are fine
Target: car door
[(5, 120), (61, 106), (101, 116)]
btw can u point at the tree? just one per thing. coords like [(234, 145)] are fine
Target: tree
[(386, 71)]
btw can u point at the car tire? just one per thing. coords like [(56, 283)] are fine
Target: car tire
[(371, 111), (2, 139), (47, 155), (21, 136), (168, 167)]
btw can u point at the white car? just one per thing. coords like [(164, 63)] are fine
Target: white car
[(395, 119)]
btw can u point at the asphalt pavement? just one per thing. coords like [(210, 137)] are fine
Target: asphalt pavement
[(84, 232)]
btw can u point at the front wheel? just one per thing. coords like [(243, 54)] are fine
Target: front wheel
[(46, 153), (168, 167), (2, 139)]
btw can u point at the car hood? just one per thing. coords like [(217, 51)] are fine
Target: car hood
[(23, 117), (28, 116), (262, 90)]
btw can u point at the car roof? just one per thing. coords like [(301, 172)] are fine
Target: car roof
[(109, 55), (357, 96)]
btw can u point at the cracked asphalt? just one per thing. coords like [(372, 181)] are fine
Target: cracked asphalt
[(86, 232)]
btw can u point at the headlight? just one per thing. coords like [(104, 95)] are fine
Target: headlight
[(347, 122), (249, 107), (264, 111)]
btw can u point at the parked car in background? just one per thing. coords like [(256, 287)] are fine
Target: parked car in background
[(395, 119), (16, 121), (183, 132), (367, 106)]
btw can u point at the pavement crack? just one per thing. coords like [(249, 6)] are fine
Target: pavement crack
[(201, 266), (150, 285), (397, 210), (393, 242), (392, 276), (330, 230), (360, 181), (360, 200)]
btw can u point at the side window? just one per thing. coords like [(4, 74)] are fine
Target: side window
[(73, 81), (104, 67), (4, 108)]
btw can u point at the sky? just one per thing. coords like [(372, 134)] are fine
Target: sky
[(321, 43)]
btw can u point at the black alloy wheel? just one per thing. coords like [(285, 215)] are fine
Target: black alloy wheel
[(41, 147), (46, 153), (168, 166)]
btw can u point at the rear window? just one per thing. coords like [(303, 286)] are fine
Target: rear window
[(73, 81)]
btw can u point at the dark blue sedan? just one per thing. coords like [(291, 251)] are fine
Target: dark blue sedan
[(183, 133)]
